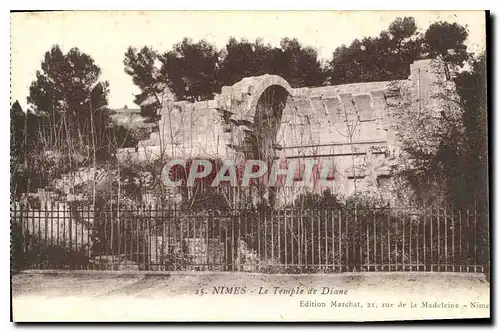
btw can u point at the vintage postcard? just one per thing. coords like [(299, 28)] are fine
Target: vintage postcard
[(249, 166)]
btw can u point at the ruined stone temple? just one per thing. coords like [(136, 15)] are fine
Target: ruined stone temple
[(348, 126)]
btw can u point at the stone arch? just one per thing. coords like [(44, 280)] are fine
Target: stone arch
[(268, 83), (241, 99), (246, 106)]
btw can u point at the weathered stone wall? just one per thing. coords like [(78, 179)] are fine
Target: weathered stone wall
[(348, 126)]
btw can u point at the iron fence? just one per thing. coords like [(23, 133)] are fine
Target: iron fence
[(288, 240)]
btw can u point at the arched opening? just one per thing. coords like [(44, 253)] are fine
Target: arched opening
[(268, 114)]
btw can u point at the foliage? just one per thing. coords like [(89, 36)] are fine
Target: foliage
[(143, 67), (388, 56), (67, 123), (191, 69), (472, 89), (197, 70), (446, 41), (382, 58), (65, 93), (298, 64), (444, 151)]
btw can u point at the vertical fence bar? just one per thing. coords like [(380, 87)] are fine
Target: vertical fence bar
[(112, 237), (366, 257), (39, 232), (34, 232), (30, 227), (104, 224), (18, 215), (149, 235), (453, 240), (207, 239), (28, 235), (475, 237), (484, 218), (375, 260), (45, 237), (357, 238), (467, 239), (64, 225), (218, 223), (340, 239), (389, 239), (137, 233), (259, 252), (272, 235), (410, 241), (79, 212), (76, 216), (161, 258), (233, 244), (325, 222), (311, 223), (265, 235), (155, 235), (424, 236), (403, 228), (285, 227), (119, 234), (51, 227), (170, 244), (89, 228), (432, 261), (128, 232), (226, 240), (279, 237), (318, 216), (347, 235), (243, 218), (181, 225), (143, 232), (445, 239), (439, 237), (460, 256), (302, 259), (58, 237), (333, 239), (417, 262), (292, 236)]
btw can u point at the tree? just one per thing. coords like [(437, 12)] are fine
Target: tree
[(383, 58), (444, 145), (70, 104), (446, 41), (191, 70), (297, 64), (242, 58), (472, 89), (196, 71), (432, 141), (23, 136), (388, 56), (144, 67), (67, 86)]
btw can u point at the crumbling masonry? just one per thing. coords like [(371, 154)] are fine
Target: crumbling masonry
[(347, 126)]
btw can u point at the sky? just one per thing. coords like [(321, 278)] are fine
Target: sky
[(105, 36)]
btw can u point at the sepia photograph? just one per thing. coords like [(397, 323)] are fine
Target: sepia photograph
[(251, 166)]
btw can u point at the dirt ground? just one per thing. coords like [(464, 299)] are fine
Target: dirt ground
[(192, 297)]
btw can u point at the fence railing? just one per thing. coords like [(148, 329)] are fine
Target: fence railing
[(288, 240)]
